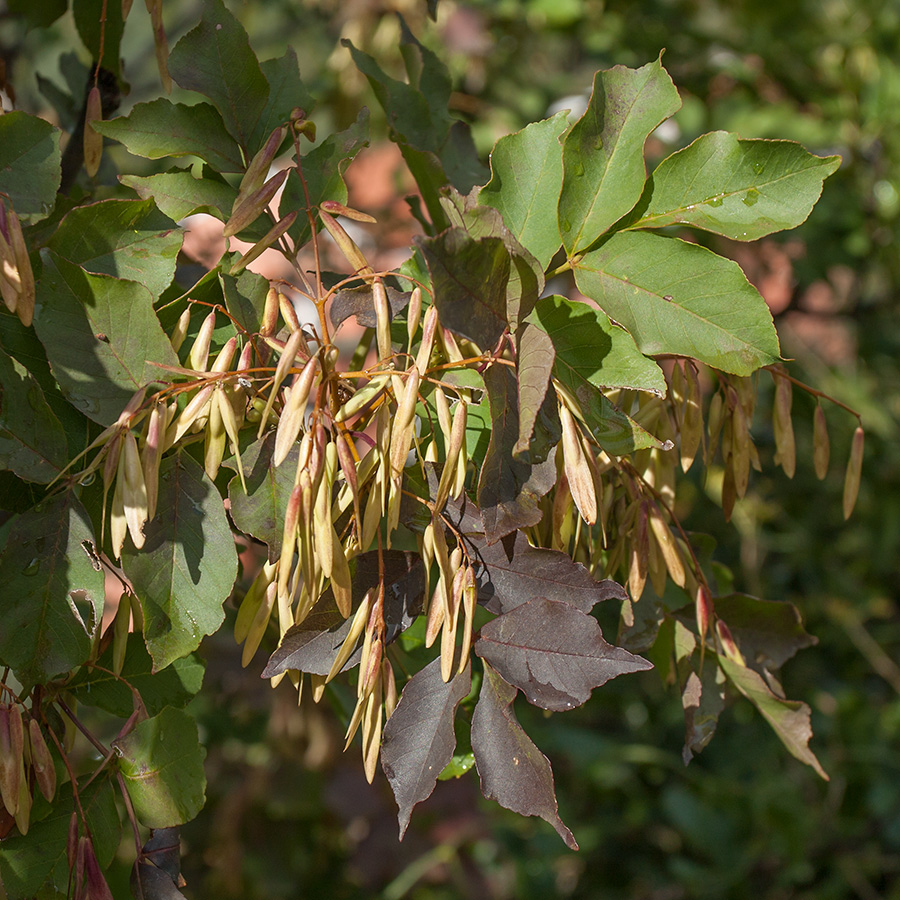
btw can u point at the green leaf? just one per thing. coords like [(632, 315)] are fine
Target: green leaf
[(38, 15), (187, 566), (30, 168), (741, 189), (323, 168), (52, 597), (215, 59), (178, 194), (790, 719), (126, 238), (590, 349), (161, 128), (469, 279), (28, 862), (459, 764), (161, 761), (286, 92), (176, 685), (261, 510), (101, 336), (245, 298), (526, 180), (32, 440), (100, 25), (679, 298), (534, 365), (603, 154)]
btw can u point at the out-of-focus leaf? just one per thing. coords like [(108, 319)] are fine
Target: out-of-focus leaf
[(526, 179), (178, 194), (534, 365), (187, 566), (512, 572), (469, 279), (323, 168), (38, 859), (38, 15), (741, 189), (161, 761), (790, 719), (176, 685), (512, 770), (100, 26), (129, 239), (313, 645), (589, 348), (603, 154), (161, 128), (680, 298), (215, 59), (509, 490), (32, 440), (554, 653), (358, 303), (101, 335), (261, 510), (768, 632), (418, 738), (52, 597), (30, 164)]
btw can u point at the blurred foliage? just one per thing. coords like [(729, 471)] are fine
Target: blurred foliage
[(288, 814)]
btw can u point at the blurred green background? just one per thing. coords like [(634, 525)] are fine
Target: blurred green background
[(288, 815)]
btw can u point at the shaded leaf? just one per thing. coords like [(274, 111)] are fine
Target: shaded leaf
[(286, 91), (534, 364), (245, 298), (323, 168), (187, 566), (703, 699), (176, 685), (790, 719), (178, 194), (30, 164), (100, 27), (512, 770), (512, 572), (741, 189), (163, 849), (680, 298), (52, 598), (603, 154), (215, 59), (32, 440), (554, 653), (418, 740), (508, 489), (155, 884), (589, 348), (526, 179), (129, 239), (526, 276), (261, 510), (39, 858), (161, 128), (357, 302), (768, 632), (161, 761), (101, 335), (313, 645)]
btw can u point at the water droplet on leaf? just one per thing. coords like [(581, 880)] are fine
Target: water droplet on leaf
[(751, 197), (32, 568), (716, 201)]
